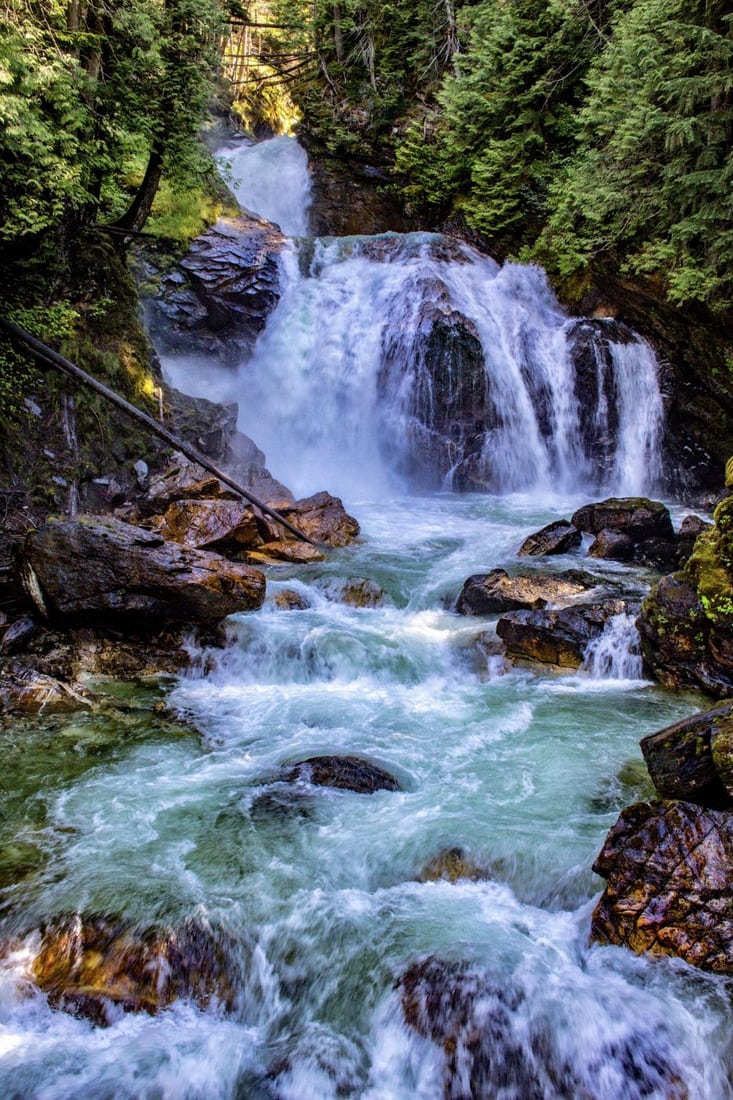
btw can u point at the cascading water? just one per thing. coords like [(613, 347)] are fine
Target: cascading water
[(326, 896)]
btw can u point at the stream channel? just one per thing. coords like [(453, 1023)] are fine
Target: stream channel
[(321, 889)]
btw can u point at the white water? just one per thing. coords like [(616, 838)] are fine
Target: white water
[(320, 887), (270, 178)]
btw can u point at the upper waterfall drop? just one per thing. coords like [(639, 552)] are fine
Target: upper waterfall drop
[(271, 179), (414, 360)]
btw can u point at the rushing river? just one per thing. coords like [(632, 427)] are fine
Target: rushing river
[(322, 890)]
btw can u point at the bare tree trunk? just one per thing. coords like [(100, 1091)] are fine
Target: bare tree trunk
[(139, 209)]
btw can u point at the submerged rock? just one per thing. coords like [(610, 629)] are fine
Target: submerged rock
[(496, 1042), (668, 868), (98, 568), (98, 966), (346, 773), (352, 591), (558, 638), (488, 593), (290, 600), (452, 865), (691, 759), (556, 538)]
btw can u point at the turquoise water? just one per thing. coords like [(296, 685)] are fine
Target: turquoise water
[(150, 819)]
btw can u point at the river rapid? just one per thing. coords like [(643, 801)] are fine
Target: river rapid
[(322, 890)]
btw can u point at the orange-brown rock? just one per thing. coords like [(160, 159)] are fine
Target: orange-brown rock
[(557, 638), (488, 593), (323, 518), (452, 865), (668, 868), (97, 966), (291, 550), (182, 480), (225, 525)]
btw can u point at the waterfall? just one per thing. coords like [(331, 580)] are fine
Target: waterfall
[(414, 361), (615, 654)]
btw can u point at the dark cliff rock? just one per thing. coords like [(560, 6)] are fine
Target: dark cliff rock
[(218, 300), (100, 569), (668, 870), (686, 621)]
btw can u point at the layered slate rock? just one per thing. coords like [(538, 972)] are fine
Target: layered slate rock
[(691, 759), (345, 773), (219, 299), (556, 538), (488, 593), (99, 569), (498, 1040), (669, 873), (558, 638), (98, 966)]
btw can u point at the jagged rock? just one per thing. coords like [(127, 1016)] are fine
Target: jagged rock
[(668, 870), (210, 426), (556, 538), (488, 593), (323, 518), (690, 528), (353, 591), (346, 773), (636, 517), (226, 525), (182, 480), (691, 759), (557, 638), (496, 1043), (98, 966), (452, 865), (290, 600), (613, 545), (225, 288), (98, 568), (17, 635)]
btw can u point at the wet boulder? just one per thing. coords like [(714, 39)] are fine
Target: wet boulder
[(345, 773), (636, 517), (99, 569), (291, 550), (352, 591), (558, 638), (613, 545), (668, 868), (97, 966), (556, 538), (488, 593), (219, 298), (691, 759), (290, 600), (691, 527), (182, 480)]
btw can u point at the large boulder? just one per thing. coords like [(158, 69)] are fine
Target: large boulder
[(668, 868), (322, 517), (692, 759), (488, 593), (218, 299), (224, 525), (636, 517), (99, 966), (99, 569), (556, 538), (558, 638)]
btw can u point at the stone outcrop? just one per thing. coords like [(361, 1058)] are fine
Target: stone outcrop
[(630, 529), (345, 773), (96, 568), (556, 538), (489, 593), (219, 298), (668, 868), (96, 967), (686, 621), (558, 638)]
